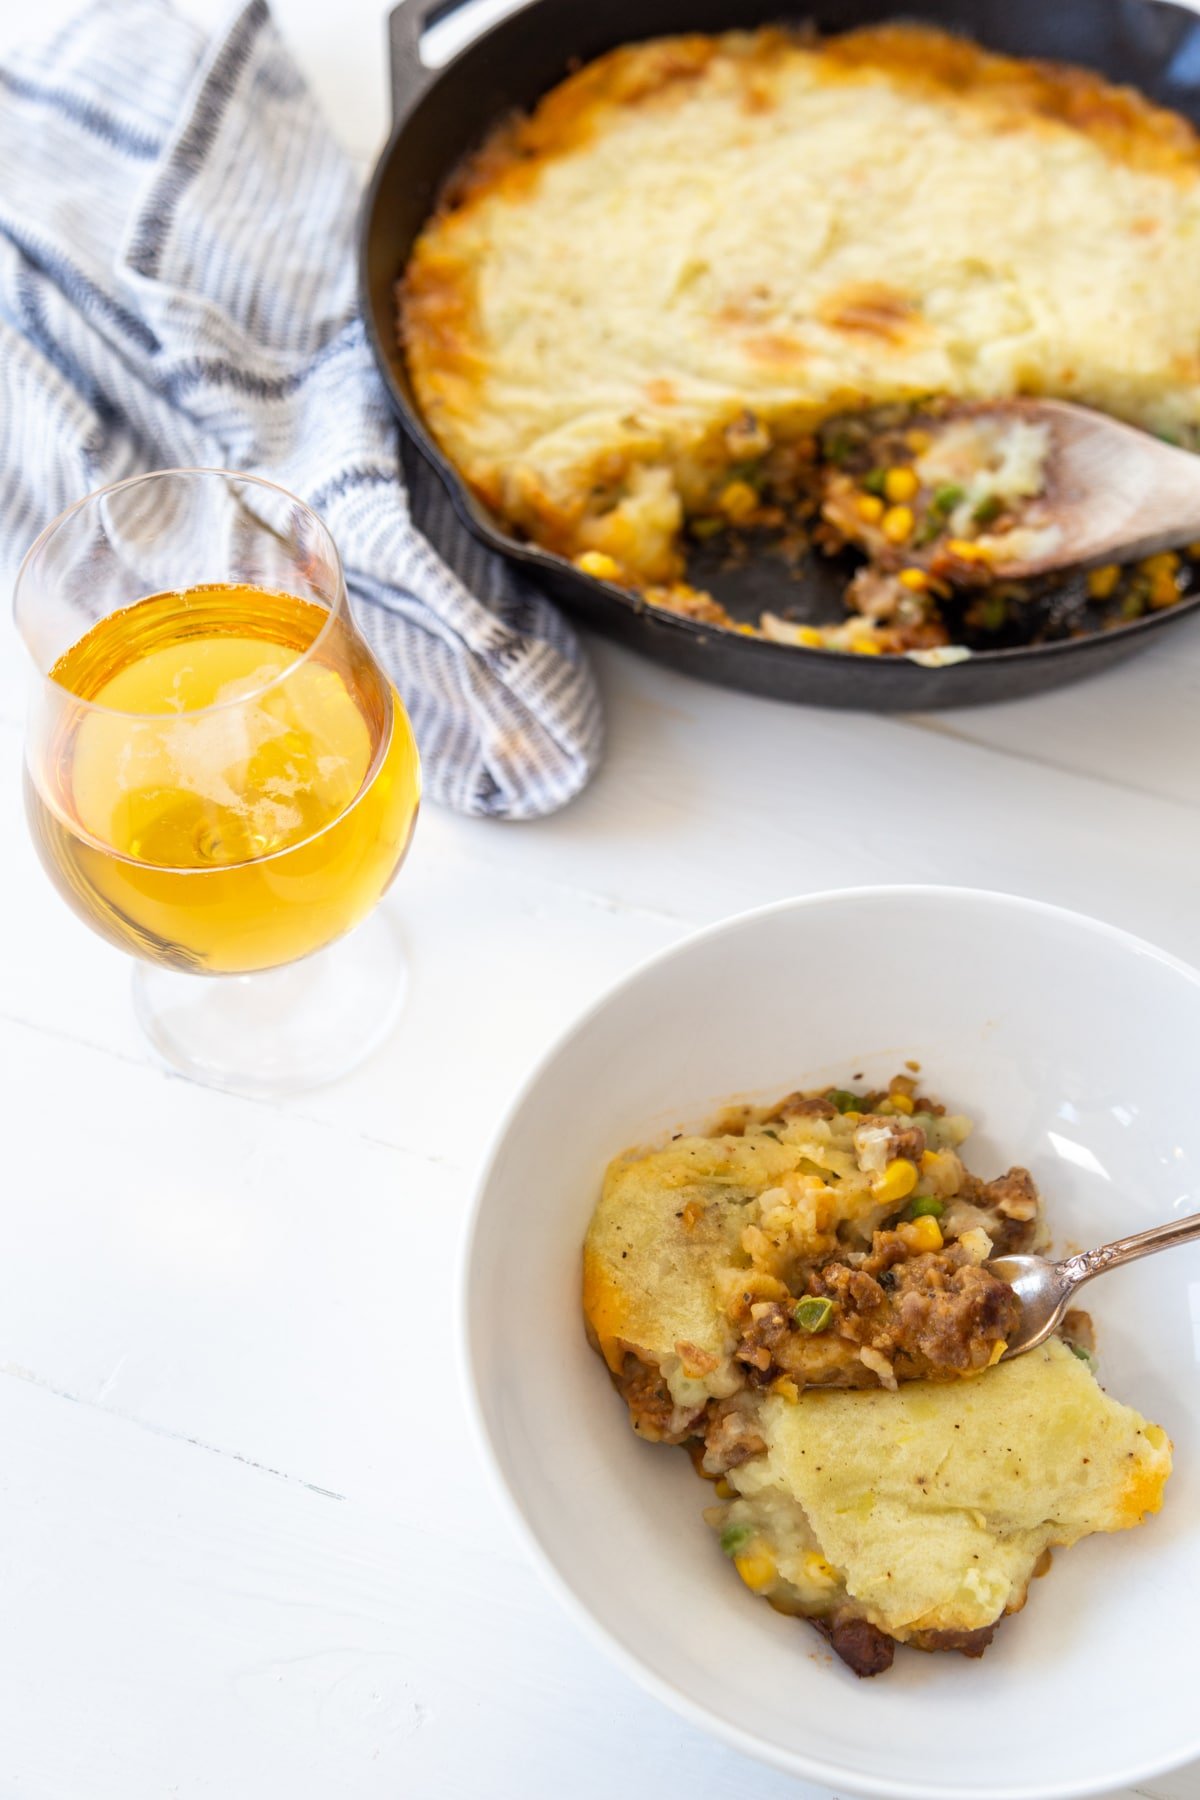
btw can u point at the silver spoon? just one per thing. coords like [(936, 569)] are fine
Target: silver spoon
[(1046, 1289), (1111, 494)]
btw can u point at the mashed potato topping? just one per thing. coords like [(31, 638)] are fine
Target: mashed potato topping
[(640, 301), (801, 1297), (930, 1509), (857, 1205)]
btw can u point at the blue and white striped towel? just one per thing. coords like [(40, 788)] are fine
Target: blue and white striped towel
[(177, 287)]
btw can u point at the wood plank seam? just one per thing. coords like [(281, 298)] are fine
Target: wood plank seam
[(14, 1372)]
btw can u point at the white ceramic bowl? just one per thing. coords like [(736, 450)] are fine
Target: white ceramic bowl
[(1076, 1049)]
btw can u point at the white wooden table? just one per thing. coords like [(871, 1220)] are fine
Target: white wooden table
[(246, 1549)]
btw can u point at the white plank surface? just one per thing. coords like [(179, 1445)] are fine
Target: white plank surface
[(245, 1546)]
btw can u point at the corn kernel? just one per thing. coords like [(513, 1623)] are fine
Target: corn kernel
[(920, 1234), (897, 524), (756, 1569), (1101, 582), (930, 1160), (1165, 563), (1163, 590), (786, 1388), (598, 565), (870, 508), (897, 1181), (900, 484), (722, 1489), (1193, 550), (818, 1571), (865, 646), (747, 630), (998, 1350), (915, 580), (966, 551), (918, 441), (809, 637), (738, 500), (901, 1102)]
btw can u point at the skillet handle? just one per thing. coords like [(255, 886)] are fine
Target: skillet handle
[(409, 22)]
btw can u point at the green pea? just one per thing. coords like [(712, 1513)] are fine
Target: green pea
[(751, 471), (947, 496), (1085, 1356), (989, 508), (924, 1206), (845, 1101), (813, 1315), (873, 481), (735, 1538)]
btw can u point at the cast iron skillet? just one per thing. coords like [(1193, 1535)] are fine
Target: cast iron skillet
[(439, 115)]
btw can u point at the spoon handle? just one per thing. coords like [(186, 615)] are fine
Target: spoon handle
[(1075, 1270)]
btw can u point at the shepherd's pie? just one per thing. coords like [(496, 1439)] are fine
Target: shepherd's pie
[(801, 1297), (635, 306)]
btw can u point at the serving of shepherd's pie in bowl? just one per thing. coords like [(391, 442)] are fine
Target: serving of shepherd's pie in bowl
[(802, 1298), (755, 1190)]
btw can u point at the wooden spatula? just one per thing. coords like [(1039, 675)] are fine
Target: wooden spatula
[(1114, 494)]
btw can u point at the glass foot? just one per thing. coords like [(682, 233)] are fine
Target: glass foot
[(283, 1030)]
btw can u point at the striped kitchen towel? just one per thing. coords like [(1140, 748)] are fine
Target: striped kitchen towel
[(177, 288)]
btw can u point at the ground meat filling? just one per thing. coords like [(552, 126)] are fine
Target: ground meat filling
[(799, 1106), (861, 1645), (729, 1439), (768, 1329), (652, 1412), (900, 1138), (1079, 1334), (967, 1643), (951, 1315), (1008, 1209), (934, 1314), (926, 1314), (1014, 1195)]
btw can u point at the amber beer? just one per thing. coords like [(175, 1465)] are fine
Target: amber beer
[(229, 782)]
